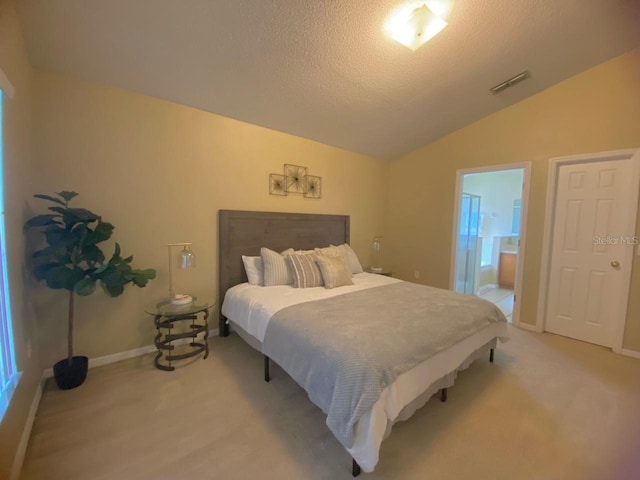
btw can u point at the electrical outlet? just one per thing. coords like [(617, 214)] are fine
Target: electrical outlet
[(416, 274)]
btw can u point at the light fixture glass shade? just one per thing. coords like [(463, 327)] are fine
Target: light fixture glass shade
[(187, 258), (376, 246), (414, 24)]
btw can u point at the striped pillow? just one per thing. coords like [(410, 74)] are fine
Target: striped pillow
[(335, 271), (306, 273), (274, 267)]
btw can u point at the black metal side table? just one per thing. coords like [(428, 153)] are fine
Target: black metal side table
[(168, 317)]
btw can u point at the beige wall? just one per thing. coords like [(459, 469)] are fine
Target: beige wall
[(596, 110), (17, 173), (160, 172)]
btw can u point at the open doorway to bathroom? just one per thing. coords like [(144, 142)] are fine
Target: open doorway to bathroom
[(489, 222)]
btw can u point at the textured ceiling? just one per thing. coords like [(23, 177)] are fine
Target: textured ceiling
[(324, 70)]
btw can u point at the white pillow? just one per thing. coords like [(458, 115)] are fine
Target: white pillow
[(354, 262), (253, 267), (274, 267)]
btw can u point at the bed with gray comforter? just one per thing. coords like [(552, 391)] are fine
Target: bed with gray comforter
[(345, 350)]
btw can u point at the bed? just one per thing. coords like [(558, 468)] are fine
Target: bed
[(254, 312)]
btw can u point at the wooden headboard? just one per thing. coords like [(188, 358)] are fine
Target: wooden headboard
[(244, 233)]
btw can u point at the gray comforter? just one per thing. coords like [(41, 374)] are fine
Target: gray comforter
[(345, 350)]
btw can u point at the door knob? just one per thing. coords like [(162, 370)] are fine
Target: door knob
[(615, 264)]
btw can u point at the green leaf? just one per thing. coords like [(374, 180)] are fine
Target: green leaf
[(67, 195), (113, 290), (52, 254), (85, 287), (40, 271), (114, 280), (78, 215), (51, 199), (58, 237), (140, 282), (149, 273), (123, 267), (115, 258), (63, 277), (113, 277), (42, 220), (100, 233), (91, 253), (59, 210), (142, 277), (100, 270)]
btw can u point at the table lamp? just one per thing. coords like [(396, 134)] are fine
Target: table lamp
[(186, 259), (375, 247)]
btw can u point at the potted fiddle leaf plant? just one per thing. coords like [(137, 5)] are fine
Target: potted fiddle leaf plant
[(73, 261)]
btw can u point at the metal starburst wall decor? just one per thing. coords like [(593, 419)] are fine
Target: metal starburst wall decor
[(296, 180)]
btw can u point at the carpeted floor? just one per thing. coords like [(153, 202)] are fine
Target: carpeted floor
[(548, 408)]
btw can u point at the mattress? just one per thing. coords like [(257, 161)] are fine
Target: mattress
[(249, 309)]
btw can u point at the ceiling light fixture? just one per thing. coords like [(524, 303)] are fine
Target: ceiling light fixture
[(414, 24)]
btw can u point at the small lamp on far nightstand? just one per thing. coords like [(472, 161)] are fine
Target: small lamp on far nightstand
[(187, 259), (375, 260)]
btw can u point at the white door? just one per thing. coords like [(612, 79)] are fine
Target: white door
[(591, 249)]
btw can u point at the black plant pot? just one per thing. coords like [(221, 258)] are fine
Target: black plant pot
[(71, 376)]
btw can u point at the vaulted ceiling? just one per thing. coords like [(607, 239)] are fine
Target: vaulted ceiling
[(324, 69)]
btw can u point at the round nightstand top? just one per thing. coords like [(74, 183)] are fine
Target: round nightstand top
[(166, 309), (384, 272)]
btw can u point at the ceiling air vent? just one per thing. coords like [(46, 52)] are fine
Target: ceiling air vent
[(511, 82)]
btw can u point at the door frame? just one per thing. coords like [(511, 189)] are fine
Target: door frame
[(524, 212), (549, 218)]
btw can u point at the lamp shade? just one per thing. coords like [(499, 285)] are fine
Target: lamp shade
[(186, 258), (376, 246)]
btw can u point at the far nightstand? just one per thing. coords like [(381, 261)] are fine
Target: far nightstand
[(168, 316), (386, 273)]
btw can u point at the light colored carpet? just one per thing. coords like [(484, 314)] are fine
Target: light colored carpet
[(548, 408)]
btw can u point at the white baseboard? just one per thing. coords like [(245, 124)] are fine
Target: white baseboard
[(531, 328), (630, 353), (26, 433), (117, 357)]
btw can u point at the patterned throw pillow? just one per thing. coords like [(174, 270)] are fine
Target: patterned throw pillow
[(343, 250), (274, 267), (333, 252), (335, 271), (304, 268)]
